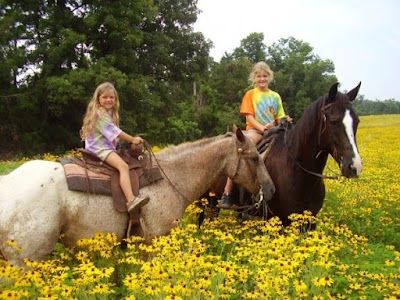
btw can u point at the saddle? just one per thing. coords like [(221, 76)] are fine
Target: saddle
[(87, 173)]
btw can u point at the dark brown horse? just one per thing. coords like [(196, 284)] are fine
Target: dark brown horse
[(296, 157)]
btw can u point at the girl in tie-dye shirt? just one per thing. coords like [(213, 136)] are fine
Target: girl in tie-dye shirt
[(262, 108), (100, 131)]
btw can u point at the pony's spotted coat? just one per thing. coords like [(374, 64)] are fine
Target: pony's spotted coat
[(36, 205)]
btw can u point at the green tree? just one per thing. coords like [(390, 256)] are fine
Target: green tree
[(300, 78), (252, 47), (148, 49), (221, 94), (300, 75)]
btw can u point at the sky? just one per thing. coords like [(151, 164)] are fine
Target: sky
[(361, 37)]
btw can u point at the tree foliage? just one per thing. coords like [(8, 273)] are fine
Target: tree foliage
[(365, 107), (300, 75), (53, 54)]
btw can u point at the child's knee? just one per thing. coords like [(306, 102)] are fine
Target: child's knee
[(255, 137)]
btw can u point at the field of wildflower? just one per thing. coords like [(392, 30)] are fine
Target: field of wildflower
[(353, 254)]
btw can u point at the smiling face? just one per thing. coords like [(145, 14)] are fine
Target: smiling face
[(261, 80), (107, 99)]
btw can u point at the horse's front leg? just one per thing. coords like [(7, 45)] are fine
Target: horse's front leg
[(316, 199), (157, 220)]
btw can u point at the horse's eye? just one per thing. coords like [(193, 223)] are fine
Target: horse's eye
[(333, 121)]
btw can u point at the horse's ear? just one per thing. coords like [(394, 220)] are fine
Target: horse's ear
[(354, 92), (333, 92), (239, 134)]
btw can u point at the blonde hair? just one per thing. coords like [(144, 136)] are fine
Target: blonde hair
[(258, 67), (94, 109)]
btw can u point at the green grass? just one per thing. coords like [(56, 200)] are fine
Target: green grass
[(7, 166)]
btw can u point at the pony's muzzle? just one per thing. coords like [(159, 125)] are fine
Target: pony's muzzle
[(268, 190)]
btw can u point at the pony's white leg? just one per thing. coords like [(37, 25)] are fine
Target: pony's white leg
[(30, 211)]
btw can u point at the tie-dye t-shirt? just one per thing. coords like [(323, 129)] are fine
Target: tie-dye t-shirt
[(266, 107), (104, 136)]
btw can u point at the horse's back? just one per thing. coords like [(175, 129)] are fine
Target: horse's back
[(30, 179)]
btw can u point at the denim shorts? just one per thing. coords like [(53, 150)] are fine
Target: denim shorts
[(254, 130)]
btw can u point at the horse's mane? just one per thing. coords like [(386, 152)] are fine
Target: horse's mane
[(190, 147), (312, 113), (309, 120)]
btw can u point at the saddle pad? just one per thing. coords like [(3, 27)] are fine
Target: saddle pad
[(77, 180), (85, 180)]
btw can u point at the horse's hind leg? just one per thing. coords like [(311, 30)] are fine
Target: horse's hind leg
[(30, 228), (27, 238)]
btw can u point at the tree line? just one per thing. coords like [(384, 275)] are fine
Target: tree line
[(54, 53)]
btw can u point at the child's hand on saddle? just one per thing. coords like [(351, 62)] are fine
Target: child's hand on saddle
[(137, 140)]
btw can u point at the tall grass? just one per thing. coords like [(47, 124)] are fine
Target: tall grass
[(353, 254)]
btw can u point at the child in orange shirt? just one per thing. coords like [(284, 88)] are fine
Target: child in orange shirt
[(262, 108)]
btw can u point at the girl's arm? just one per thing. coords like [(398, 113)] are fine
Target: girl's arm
[(130, 139), (257, 125)]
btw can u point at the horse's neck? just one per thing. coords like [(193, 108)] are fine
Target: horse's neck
[(304, 144), (193, 168)]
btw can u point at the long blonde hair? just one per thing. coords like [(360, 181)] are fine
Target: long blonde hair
[(94, 109)]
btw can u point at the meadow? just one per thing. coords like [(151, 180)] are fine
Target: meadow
[(353, 254)]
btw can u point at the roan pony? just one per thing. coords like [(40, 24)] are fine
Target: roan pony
[(36, 205), (296, 158)]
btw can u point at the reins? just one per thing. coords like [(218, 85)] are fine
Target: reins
[(322, 128), (256, 205), (245, 208), (148, 148)]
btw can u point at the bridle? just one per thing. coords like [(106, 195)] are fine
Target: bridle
[(240, 153), (239, 150), (260, 194), (322, 127)]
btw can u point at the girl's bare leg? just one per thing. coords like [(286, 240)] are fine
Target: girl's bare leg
[(114, 160)]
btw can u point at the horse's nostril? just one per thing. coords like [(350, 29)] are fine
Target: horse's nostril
[(351, 171)]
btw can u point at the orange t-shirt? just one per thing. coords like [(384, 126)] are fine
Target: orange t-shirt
[(265, 106)]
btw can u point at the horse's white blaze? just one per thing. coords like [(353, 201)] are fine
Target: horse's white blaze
[(348, 125)]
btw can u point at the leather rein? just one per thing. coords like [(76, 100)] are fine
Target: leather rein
[(239, 157), (322, 128)]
